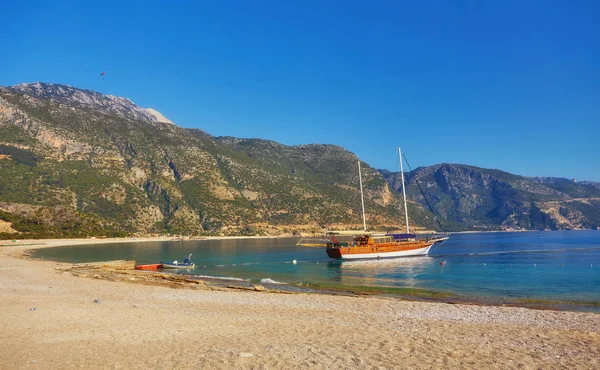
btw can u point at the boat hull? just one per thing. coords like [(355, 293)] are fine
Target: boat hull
[(167, 265), (154, 266), (378, 252)]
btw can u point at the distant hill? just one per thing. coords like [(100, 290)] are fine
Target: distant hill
[(472, 198), (78, 163), (75, 162), (594, 184)]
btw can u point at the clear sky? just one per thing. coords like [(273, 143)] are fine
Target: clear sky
[(507, 84)]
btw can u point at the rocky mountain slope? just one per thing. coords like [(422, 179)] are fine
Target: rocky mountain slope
[(75, 162), (472, 198)]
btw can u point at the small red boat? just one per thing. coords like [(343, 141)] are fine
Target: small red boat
[(153, 266)]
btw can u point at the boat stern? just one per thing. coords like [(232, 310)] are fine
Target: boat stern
[(334, 253)]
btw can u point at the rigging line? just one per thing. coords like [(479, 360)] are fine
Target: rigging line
[(381, 154), (419, 185), (327, 209), (335, 199), (320, 217), (338, 197)]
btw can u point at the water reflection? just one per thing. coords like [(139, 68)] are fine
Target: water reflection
[(382, 272)]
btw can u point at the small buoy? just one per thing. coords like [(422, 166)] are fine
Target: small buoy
[(294, 262)]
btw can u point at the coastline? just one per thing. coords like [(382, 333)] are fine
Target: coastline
[(48, 243), (21, 250), (54, 319), (45, 243)]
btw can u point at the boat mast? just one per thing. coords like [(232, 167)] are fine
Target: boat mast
[(403, 190), (362, 198)]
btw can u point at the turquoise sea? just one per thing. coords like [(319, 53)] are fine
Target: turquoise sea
[(560, 268)]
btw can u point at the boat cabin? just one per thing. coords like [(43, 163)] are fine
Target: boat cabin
[(365, 240)]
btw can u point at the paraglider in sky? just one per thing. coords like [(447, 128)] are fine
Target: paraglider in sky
[(102, 75)]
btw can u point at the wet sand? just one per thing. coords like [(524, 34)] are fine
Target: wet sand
[(54, 319)]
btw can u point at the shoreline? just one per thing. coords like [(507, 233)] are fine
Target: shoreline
[(57, 242), (409, 294), (97, 240), (56, 319), (48, 243)]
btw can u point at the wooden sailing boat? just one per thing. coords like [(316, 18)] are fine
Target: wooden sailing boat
[(367, 246)]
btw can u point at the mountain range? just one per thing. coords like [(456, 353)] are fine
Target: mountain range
[(471, 198), (75, 162)]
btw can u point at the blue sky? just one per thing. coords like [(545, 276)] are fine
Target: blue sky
[(513, 85)]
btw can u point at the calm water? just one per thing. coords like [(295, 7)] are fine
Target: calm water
[(561, 265)]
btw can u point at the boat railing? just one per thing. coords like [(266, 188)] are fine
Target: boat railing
[(435, 236), (425, 237)]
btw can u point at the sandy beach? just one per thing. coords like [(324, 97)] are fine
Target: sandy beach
[(53, 319)]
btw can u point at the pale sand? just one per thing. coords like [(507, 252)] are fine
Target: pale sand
[(144, 326)]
